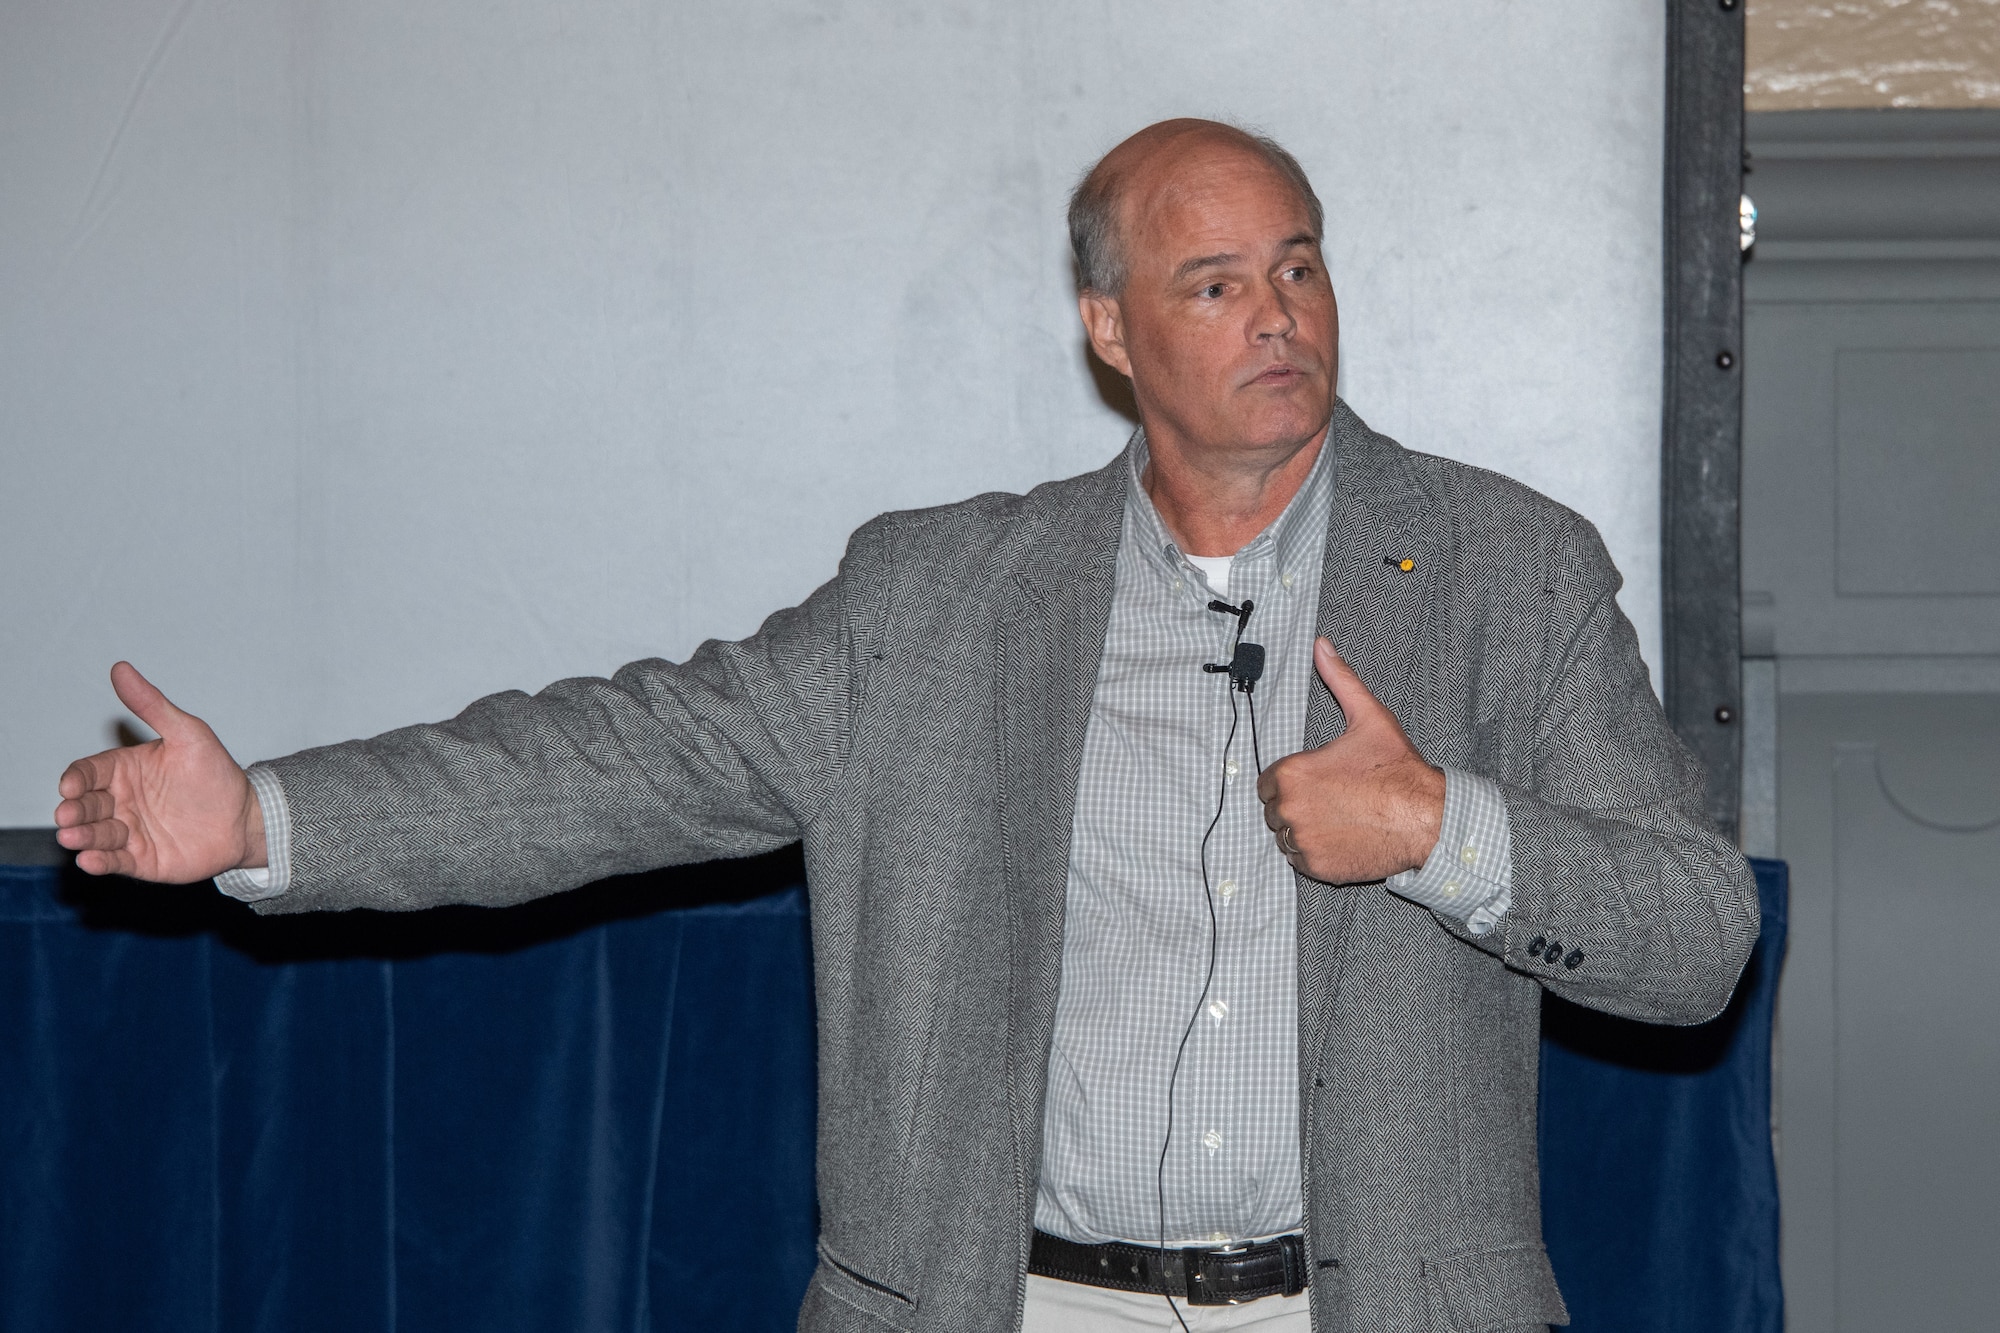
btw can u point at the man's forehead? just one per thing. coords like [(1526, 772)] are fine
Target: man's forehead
[(1217, 200)]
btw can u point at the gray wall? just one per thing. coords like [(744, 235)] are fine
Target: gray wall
[(363, 358)]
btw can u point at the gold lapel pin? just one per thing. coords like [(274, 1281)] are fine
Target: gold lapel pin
[(1405, 564)]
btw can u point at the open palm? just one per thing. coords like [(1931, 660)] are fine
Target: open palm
[(174, 810)]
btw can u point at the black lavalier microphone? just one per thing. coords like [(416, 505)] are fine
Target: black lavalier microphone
[(1245, 666), (1246, 662), (1242, 613)]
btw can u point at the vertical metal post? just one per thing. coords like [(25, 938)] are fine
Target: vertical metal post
[(1701, 441)]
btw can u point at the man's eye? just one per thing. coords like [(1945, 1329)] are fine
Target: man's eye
[(1298, 272), (1213, 290)]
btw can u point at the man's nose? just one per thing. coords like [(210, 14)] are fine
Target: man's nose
[(1274, 315)]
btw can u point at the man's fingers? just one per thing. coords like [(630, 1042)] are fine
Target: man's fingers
[(1348, 691), (144, 698), (85, 809), (1267, 792), (106, 835), (106, 863), (80, 777)]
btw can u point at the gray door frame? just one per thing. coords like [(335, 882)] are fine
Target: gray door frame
[(1701, 439)]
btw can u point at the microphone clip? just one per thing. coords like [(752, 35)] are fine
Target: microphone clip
[(1246, 662)]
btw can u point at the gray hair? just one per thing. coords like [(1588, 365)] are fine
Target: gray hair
[(1094, 235)]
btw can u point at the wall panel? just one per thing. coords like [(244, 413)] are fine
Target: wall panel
[(363, 358)]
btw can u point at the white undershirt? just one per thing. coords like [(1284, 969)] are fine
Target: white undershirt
[(1216, 567)]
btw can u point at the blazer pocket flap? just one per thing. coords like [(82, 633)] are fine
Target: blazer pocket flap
[(1486, 1289), (856, 1294)]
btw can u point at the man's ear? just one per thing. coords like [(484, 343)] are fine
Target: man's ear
[(1104, 322)]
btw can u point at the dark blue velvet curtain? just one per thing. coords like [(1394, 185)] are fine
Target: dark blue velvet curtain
[(1659, 1187), (462, 1120), (542, 1119)]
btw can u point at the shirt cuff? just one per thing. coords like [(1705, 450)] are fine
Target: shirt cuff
[(1469, 875), (275, 875)]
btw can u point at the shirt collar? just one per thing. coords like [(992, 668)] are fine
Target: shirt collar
[(1294, 536)]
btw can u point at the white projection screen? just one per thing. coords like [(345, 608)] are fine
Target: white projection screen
[(360, 359)]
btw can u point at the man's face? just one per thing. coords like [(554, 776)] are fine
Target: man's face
[(1227, 324)]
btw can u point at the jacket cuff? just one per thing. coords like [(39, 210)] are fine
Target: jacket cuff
[(1469, 875), (275, 876)]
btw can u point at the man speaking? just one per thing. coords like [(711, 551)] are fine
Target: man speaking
[(1189, 841)]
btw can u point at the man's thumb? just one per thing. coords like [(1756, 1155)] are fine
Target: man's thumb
[(1348, 691), (144, 698)]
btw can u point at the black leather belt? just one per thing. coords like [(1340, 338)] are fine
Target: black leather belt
[(1220, 1275)]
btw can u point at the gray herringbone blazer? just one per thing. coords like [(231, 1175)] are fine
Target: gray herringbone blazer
[(919, 723)]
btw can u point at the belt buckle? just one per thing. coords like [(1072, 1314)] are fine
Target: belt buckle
[(1209, 1283), (1201, 1283)]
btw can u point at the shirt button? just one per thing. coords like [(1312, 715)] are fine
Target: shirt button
[(1177, 585), (1212, 1141), (1218, 1009), (1469, 855), (1228, 889), (1451, 888), (1286, 580), (1232, 768)]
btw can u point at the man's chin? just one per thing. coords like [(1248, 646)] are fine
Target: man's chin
[(1289, 430)]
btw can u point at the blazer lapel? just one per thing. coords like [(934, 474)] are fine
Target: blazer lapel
[(1376, 612), (1062, 562)]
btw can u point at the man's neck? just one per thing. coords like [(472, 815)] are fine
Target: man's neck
[(1215, 502)]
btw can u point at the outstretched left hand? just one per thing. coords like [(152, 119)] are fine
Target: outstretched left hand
[(1362, 807)]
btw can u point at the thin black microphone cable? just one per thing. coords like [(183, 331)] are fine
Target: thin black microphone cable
[(1194, 1017), (1256, 750), (1244, 672)]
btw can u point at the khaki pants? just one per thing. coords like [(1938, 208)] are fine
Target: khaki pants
[(1055, 1306)]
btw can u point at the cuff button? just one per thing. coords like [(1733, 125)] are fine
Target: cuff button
[(1575, 957), (1536, 945)]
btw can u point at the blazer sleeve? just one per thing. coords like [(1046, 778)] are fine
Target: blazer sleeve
[(731, 753), (1625, 899)]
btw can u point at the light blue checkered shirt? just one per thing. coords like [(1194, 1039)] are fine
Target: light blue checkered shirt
[(1158, 756)]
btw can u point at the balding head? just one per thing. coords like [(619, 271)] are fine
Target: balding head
[(1146, 164), (1203, 283)]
